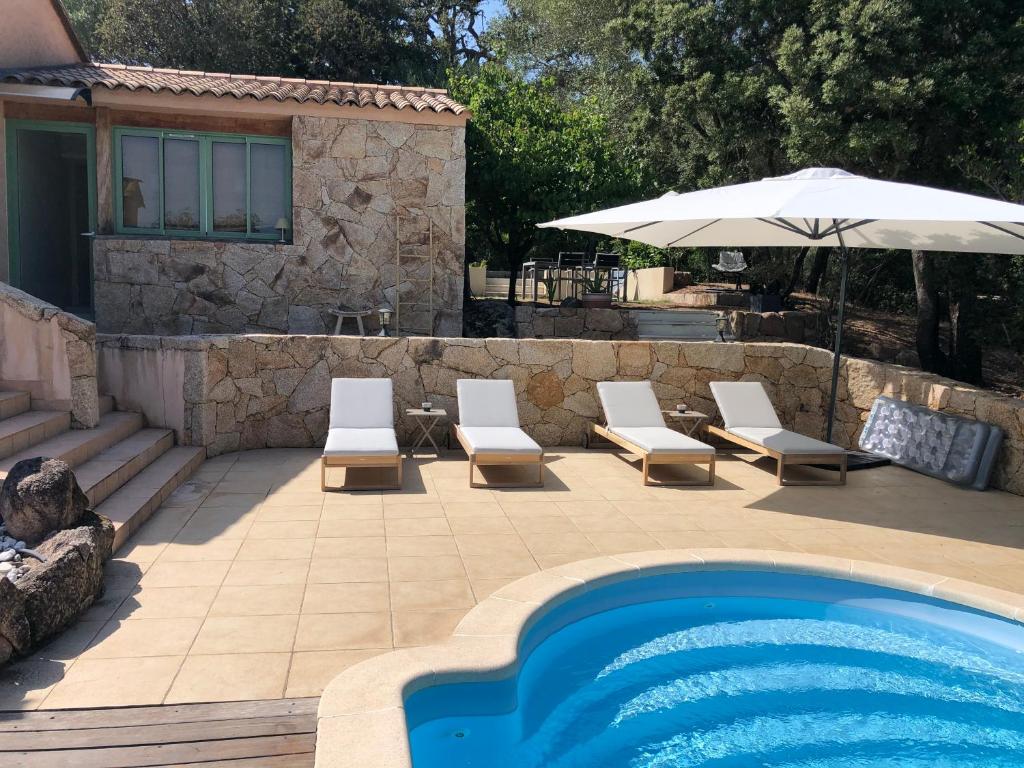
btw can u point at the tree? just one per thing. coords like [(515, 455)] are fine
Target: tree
[(530, 159)]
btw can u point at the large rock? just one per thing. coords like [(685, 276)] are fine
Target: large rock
[(58, 591), (38, 497), (15, 636)]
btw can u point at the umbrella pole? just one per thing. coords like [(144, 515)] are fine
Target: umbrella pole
[(837, 352)]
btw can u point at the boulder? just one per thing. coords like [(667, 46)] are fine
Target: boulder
[(58, 591), (489, 318), (15, 636), (38, 497)]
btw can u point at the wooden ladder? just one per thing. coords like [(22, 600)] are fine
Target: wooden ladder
[(414, 276)]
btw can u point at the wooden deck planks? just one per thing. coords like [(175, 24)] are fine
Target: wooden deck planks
[(253, 734)]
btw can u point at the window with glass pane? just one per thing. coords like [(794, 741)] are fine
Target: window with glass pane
[(140, 182), (181, 184), (229, 180), (269, 177)]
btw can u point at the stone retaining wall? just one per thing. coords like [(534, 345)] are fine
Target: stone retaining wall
[(50, 354), (350, 179), (533, 322), (798, 327), (243, 392)]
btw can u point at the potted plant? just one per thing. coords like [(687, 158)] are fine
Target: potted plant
[(594, 290), (478, 278)]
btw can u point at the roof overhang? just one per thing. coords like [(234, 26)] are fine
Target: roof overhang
[(45, 92)]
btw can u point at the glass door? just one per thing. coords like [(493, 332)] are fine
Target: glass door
[(52, 211)]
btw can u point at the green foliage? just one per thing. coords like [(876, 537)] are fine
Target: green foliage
[(530, 159)]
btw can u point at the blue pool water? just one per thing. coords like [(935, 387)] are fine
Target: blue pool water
[(737, 670)]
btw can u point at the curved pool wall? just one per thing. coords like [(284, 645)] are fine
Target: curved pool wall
[(363, 712)]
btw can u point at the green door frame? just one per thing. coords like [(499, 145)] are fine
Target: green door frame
[(13, 201)]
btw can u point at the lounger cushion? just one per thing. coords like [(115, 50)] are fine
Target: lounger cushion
[(486, 403), (361, 442), (629, 404), (500, 440), (744, 404), (362, 403), (784, 441), (661, 440)]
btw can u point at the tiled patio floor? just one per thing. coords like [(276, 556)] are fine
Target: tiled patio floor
[(250, 583)]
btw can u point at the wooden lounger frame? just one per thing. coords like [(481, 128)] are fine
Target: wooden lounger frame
[(783, 460), (650, 459), (499, 459), (355, 460)]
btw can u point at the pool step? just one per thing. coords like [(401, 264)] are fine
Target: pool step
[(133, 503)]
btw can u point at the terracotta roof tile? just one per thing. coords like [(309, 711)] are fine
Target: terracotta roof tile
[(119, 76)]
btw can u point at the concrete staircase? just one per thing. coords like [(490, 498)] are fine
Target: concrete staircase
[(676, 325), (126, 469)]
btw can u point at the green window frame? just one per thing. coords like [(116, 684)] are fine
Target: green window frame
[(205, 141)]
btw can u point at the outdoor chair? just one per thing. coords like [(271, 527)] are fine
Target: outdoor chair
[(751, 421), (489, 431), (635, 422), (362, 429), (534, 268), (733, 263)]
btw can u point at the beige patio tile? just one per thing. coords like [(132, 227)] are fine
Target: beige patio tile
[(559, 543), (754, 540), (417, 526), (336, 499), (288, 514), (251, 573), (424, 546), (294, 529), (346, 597), (559, 558), (463, 525), (282, 498), (311, 671), (233, 501), (349, 546), (618, 542), (603, 521), (542, 524), (346, 569), (431, 595), (216, 549), (217, 523), (473, 509), (167, 603), (114, 682), (352, 512), (499, 566), (273, 549), (586, 507), (520, 509), (399, 511), (686, 539), (426, 568), (350, 528), (414, 628), (341, 631), (490, 544), (484, 588), (230, 677), (245, 634), (185, 574), (263, 600), (666, 521)]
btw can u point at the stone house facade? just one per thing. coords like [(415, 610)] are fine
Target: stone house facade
[(170, 202)]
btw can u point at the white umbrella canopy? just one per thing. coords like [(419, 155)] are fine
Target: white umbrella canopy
[(816, 206)]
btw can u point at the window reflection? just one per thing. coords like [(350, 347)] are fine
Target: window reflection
[(140, 182), (181, 184), (228, 186)]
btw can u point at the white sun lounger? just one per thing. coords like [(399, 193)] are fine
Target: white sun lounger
[(362, 429), (751, 421), (489, 431), (634, 422)]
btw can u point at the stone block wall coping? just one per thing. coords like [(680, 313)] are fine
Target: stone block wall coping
[(361, 717)]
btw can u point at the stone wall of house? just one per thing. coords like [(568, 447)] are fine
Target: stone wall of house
[(243, 392), (533, 322), (50, 354), (351, 178)]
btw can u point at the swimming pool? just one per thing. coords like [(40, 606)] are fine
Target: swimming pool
[(739, 668)]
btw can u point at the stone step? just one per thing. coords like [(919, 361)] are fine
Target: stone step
[(103, 474), (78, 445), (26, 429), (106, 404), (13, 402), (669, 317), (133, 503)]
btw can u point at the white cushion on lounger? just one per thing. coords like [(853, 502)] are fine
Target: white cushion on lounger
[(486, 403), (630, 404), (661, 440), (499, 440), (360, 403), (744, 404), (784, 441), (361, 442)]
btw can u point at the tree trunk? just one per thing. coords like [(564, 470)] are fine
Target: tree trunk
[(798, 270), (928, 349), (818, 268), (964, 349)]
